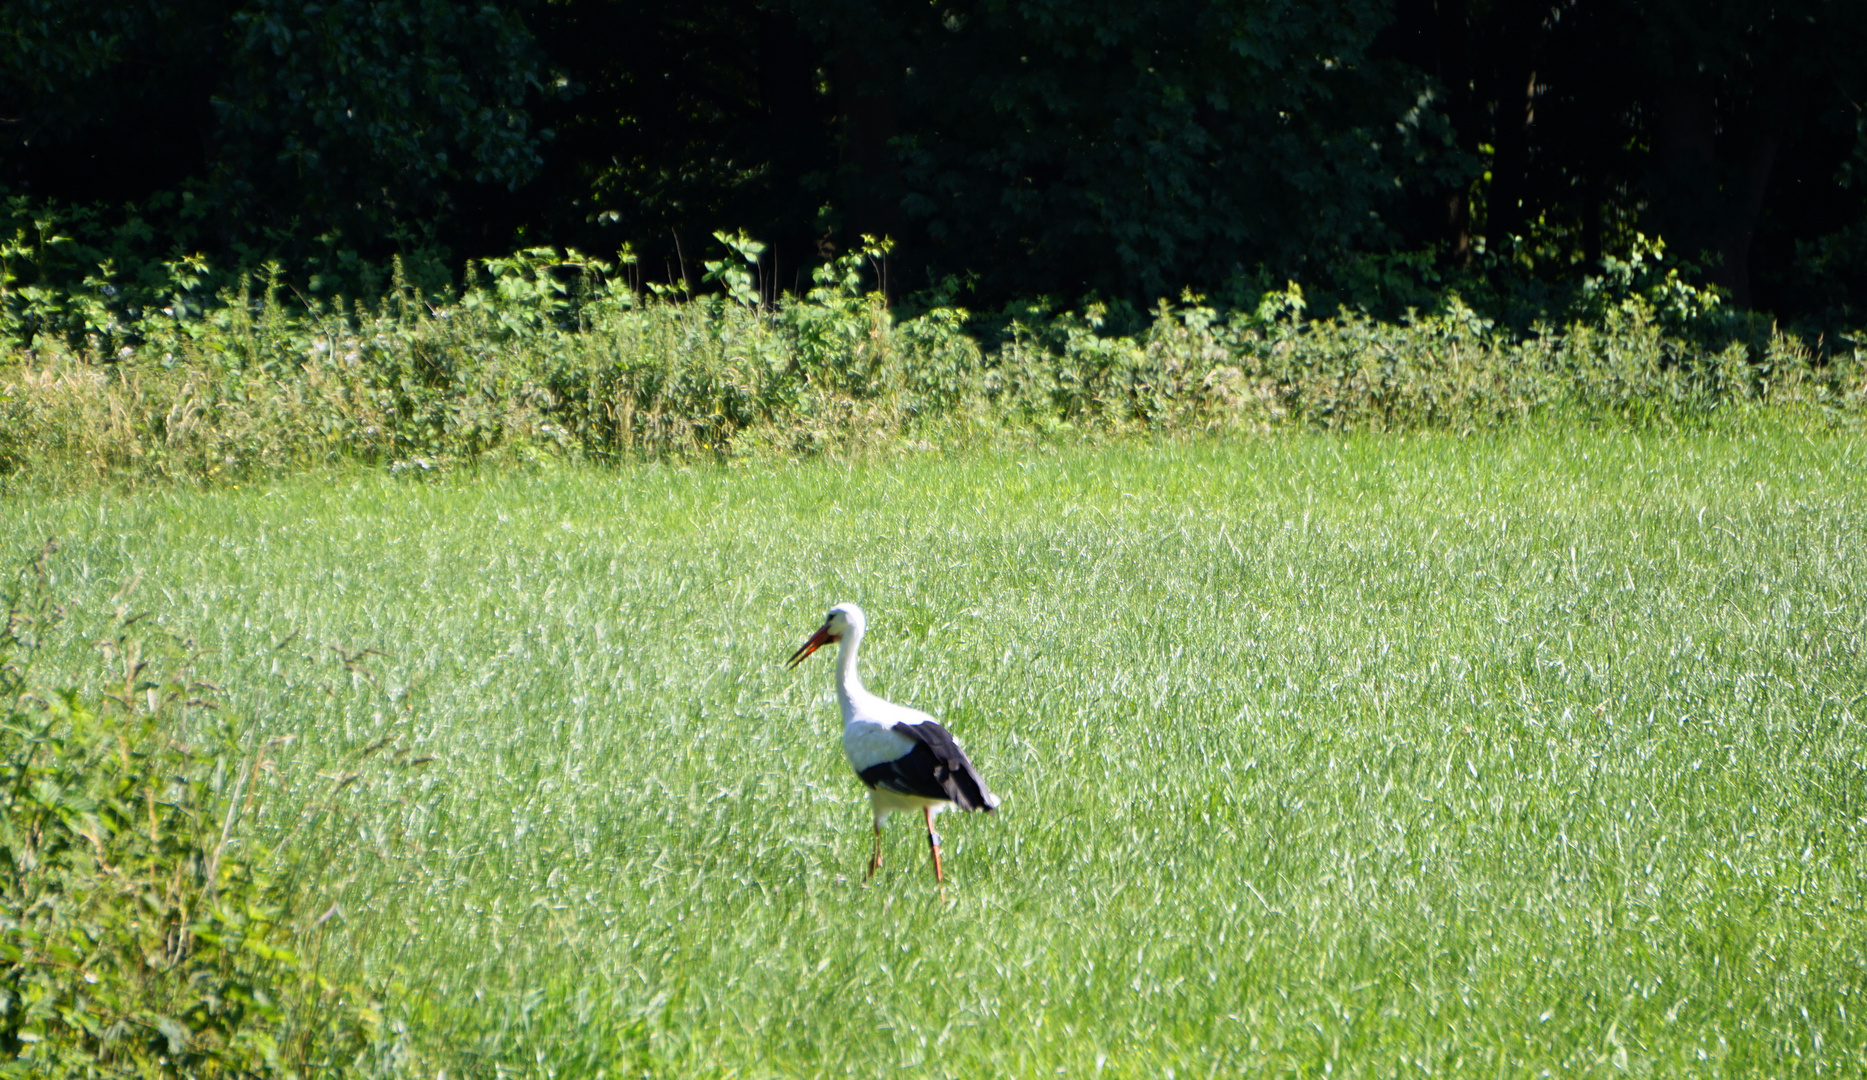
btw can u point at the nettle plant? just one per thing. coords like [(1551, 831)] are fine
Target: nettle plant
[(143, 930), (735, 280)]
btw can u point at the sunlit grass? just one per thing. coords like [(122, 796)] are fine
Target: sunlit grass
[(1319, 755)]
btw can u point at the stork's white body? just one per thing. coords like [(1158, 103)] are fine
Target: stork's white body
[(870, 738), (907, 760)]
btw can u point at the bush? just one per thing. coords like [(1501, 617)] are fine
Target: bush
[(143, 932), (543, 355)]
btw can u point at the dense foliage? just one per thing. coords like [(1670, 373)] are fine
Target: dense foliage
[(1733, 130), (1126, 149), (269, 127), (148, 931), (1011, 149), (545, 356)]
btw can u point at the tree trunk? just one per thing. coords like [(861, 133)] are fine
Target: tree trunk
[(1510, 162), (1433, 35), (793, 115), (1515, 94), (1707, 213), (1591, 224), (1452, 63), (1685, 142), (865, 99), (1739, 224)]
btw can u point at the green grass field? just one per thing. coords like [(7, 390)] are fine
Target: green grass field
[(1531, 754)]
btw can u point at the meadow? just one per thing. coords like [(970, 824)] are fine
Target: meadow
[(1537, 752)]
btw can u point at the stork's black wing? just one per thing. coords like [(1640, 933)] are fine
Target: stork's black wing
[(936, 768)]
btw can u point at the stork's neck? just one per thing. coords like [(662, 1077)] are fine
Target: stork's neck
[(849, 688)]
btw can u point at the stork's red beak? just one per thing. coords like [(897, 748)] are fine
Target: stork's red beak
[(816, 642)]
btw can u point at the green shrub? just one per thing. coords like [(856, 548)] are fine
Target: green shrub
[(143, 931), (543, 355)]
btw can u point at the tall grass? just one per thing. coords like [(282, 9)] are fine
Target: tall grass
[(1522, 754), (531, 365)]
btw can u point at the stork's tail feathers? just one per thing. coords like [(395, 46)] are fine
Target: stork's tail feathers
[(971, 790)]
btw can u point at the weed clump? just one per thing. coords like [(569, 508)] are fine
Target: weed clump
[(542, 355), (143, 930)]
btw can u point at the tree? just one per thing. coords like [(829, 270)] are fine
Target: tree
[(280, 121), (107, 100), (1059, 147), (679, 120), (1029, 147), (1722, 128), (367, 115)]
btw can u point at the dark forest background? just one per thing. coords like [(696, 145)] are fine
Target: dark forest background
[(1043, 150)]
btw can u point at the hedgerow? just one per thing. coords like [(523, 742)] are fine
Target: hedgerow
[(547, 354)]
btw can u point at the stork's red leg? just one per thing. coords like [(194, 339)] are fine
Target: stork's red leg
[(933, 843), (875, 860)]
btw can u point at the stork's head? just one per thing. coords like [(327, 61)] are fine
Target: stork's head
[(843, 621)]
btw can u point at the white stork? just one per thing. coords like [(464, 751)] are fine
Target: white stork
[(908, 761)]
